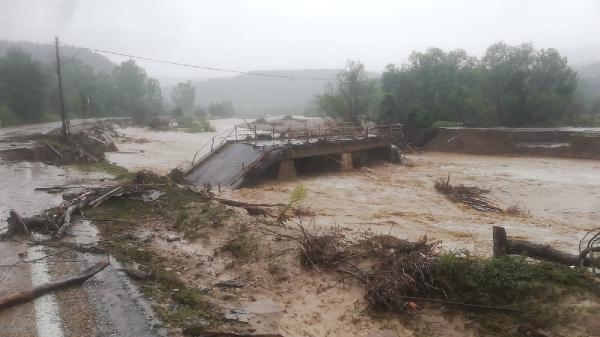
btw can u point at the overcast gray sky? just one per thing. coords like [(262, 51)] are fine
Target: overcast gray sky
[(282, 34)]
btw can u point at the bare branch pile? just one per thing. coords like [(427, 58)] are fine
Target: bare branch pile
[(470, 195), (390, 268), (395, 273), (588, 246), (57, 220)]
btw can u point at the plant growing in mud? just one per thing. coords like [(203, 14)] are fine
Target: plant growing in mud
[(196, 216), (243, 246), (295, 201)]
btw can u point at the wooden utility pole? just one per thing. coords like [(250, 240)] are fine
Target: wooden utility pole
[(65, 126)]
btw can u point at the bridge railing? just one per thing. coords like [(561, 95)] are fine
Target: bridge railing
[(323, 132)]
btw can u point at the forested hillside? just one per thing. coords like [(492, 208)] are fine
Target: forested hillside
[(45, 54), (29, 88)]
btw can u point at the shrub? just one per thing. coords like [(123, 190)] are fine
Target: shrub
[(7, 116)]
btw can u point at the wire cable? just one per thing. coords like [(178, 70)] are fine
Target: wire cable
[(208, 68)]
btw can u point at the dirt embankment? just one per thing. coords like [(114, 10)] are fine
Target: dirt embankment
[(567, 143)]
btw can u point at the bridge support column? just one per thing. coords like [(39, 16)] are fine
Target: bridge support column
[(346, 162), (287, 169)]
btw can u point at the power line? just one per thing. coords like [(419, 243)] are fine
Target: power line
[(207, 68)]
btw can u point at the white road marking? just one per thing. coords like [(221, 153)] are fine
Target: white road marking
[(46, 308)]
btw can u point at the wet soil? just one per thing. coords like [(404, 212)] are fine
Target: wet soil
[(549, 142)]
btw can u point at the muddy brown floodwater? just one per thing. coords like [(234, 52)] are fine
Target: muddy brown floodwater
[(562, 197), (161, 151)]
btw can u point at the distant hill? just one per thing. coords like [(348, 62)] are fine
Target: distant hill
[(582, 56), (45, 53), (589, 70), (256, 95)]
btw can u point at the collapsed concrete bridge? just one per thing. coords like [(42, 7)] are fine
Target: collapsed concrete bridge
[(245, 154)]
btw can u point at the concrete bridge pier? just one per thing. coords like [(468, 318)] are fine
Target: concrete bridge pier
[(287, 170), (346, 162)]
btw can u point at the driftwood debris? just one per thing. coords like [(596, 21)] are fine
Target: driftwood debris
[(253, 209), (35, 292), (54, 149), (59, 219), (16, 224), (237, 203), (212, 333), (20, 225), (503, 246), (106, 196), (83, 248), (469, 195), (67, 223)]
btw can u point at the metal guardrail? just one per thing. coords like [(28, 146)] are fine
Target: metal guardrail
[(329, 133)]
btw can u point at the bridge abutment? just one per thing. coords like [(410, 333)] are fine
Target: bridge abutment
[(287, 169), (346, 162)]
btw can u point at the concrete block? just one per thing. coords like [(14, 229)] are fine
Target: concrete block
[(287, 170), (346, 162)]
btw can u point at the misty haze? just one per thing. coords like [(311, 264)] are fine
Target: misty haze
[(299, 168)]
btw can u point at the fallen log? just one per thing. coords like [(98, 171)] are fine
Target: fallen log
[(503, 246), (72, 245), (105, 196), (237, 203), (253, 209), (54, 149), (16, 224), (35, 292), (212, 333), (67, 223)]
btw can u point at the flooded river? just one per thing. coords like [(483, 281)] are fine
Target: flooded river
[(562, 197), (162, 151)]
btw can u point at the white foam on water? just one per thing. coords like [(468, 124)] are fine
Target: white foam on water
[(46, 307)]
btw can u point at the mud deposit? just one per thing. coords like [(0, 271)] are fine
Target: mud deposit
[(550, 142)]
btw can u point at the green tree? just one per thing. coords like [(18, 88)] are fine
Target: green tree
[(510, 86), (7, 116), (104, 100), (433, 86), (23, 85), (353, 97), (137, 95), (526, 86), (223, 109), (79, 87), (183, 96)]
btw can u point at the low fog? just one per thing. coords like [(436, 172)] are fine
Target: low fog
[(283, 35)]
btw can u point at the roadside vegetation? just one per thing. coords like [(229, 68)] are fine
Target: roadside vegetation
[(29, 93), (119, 172)]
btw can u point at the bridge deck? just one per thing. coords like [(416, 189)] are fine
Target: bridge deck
[(232, 161)]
